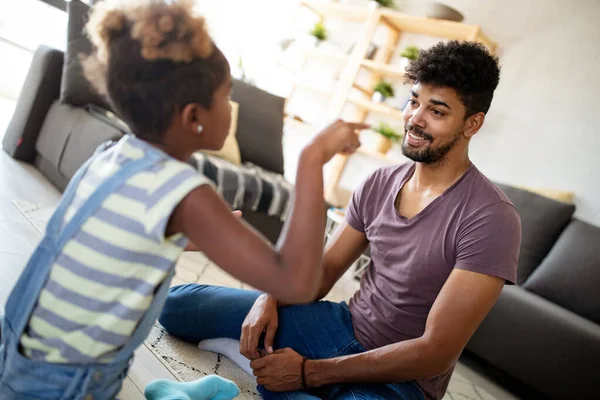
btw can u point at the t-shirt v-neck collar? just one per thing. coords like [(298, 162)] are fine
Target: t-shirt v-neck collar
[(409, 173)]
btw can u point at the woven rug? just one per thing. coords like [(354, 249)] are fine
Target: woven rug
[(187, 362)]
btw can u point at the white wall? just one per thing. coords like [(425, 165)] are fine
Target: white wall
[(251, 30), (543, 128)]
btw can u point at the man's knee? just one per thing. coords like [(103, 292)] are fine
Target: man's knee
[(177, 304), (198, 312)]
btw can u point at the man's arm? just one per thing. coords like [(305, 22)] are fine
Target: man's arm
[(463, 302), (341, 251), (486, 256)]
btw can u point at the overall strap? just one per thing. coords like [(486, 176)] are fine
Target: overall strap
[(145, 325), (57, 217), (101, 193), (40, 263)]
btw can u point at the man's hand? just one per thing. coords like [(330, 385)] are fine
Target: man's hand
[(280, 371), (192, 247), (262, 317)]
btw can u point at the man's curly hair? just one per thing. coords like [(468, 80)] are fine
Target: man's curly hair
[(152, 58), (466, 67)]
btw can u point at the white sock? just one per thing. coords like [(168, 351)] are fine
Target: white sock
[(230, 348)]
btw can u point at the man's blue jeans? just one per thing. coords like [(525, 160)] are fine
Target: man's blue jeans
[(316, 331)]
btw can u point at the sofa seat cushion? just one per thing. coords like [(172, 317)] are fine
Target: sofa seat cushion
[(542, 344), (542, 221), (570, 275)]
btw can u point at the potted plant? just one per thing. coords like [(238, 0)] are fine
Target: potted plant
[(410, 53), (319, 33), (381, 3), (386, 136), (382, 91)]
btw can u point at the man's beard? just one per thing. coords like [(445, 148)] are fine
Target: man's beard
[(428, 155)]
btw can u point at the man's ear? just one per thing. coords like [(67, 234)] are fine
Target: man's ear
[(192, 116), (473, 124)]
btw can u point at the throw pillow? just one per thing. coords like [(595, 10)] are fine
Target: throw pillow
[(75, 88), (542, 221), (230, 150), (260, 126), (570, 275)]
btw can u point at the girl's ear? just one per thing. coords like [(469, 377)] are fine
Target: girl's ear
[(193, 117)]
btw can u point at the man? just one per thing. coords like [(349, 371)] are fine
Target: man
[(444, 240)]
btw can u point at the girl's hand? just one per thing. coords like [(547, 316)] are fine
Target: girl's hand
[(339, 137)]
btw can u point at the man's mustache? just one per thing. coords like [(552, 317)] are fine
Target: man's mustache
[(415, 130)]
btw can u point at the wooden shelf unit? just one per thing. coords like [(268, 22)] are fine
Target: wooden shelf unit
[(376, 108), (435, 27), (371, 19), (383, 69)]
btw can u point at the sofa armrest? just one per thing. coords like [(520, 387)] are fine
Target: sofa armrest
[(40, 90), (548, 347)]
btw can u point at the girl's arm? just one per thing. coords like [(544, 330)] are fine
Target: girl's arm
[(291, 271)]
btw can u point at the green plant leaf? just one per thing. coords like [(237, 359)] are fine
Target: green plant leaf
[(385, 88), (387, 131), (410, 52), (386, 3), (319, 31)]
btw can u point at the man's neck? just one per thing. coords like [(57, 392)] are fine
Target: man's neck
[(439, 176)]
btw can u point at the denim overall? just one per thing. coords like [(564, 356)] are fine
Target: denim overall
[(25, 379)]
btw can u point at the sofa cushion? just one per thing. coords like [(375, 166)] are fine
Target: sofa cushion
[(40, 89), (260, 126), (542, 221), (75, 88), (542, 344), (68, 137), (55, 131), (86, 135), (570, 275)]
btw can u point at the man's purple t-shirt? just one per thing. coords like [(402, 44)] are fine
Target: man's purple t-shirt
[(472, 226)]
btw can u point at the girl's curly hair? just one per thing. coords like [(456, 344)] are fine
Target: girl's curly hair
[(152, 57), (467, 67)]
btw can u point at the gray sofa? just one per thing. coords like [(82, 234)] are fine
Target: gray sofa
[(57, 138), (545, 331)]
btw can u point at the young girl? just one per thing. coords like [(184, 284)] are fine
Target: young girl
[(94, 286)]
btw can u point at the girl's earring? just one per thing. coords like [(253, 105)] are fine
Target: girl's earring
[(199, 129)]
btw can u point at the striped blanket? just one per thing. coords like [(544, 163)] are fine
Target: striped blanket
[(247, 187)]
